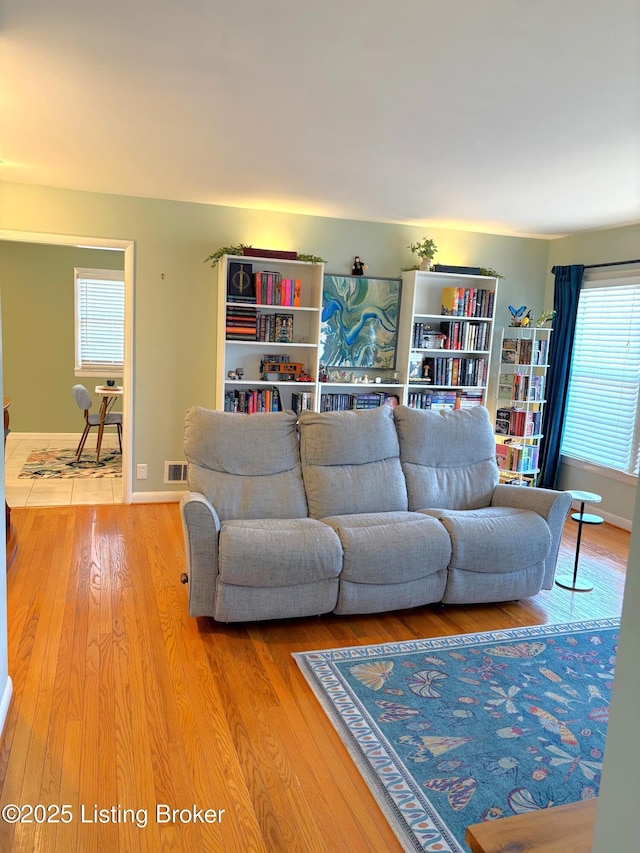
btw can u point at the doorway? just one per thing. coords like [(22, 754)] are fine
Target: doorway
[(34, 378)]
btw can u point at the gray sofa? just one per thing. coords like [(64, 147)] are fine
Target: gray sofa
[(357, 512)]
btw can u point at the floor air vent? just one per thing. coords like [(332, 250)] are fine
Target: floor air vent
[(175, 472)]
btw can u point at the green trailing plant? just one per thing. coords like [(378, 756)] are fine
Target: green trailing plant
[(424, 248), (545, 317), (214, 257), (310, 259), (225, 250), (410, 269), (488, 271)]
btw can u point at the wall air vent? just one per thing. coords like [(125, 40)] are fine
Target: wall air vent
[(175, 472)]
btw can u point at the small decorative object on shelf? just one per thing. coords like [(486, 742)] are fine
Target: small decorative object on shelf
[(518, 316), (544, 318), (426, 250), (358, 267)]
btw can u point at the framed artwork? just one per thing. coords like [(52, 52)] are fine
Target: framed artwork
[(359, 321)]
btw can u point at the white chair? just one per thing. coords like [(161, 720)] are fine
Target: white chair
[(83, 399)]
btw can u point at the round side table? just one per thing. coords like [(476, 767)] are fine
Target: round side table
[(582, 518)]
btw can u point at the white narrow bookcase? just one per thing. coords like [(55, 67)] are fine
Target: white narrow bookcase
[(520, 401), (445, 338), (248, 354)]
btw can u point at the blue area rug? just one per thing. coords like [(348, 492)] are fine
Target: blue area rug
[(453, 731)]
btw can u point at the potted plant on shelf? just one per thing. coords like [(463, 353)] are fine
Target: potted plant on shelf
[(426, 250)]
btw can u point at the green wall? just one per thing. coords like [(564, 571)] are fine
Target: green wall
[(36, 288), (174, 300), (597, 247)]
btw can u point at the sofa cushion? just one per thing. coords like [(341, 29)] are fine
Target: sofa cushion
[(351, 462), (390, 548), (247, 466), (448, 457), (277, 552), (495, 539)]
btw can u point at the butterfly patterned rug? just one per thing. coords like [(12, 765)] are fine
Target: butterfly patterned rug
[(453, 731), (57, 464)]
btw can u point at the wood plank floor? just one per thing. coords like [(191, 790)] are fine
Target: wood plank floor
[(122, 701)]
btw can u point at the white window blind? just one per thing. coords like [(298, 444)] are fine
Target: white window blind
[(601, 420), (99, 322)]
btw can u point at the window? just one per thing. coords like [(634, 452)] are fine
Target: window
[(99, 322), (601, 421)]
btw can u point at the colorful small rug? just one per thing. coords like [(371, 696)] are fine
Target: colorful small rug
[(56, 464), (453, 731)]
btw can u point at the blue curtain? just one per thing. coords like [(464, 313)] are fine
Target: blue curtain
[(568, 281)]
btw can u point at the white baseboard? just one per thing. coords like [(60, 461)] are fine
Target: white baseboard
[(156, 497), (5, 701), (44, 436), (616, 520)]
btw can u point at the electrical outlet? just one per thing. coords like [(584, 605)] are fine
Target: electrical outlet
[(141, 471)]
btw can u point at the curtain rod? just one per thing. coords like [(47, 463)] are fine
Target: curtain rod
[(612, 264)]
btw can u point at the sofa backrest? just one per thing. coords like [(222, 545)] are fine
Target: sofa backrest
[(351, 462), (247, 466), (448, 457)]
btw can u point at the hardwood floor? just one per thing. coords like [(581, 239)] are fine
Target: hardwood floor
[(122, 701)]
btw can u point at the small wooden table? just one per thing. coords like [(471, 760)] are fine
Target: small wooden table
[(560, 829), (109, 395)]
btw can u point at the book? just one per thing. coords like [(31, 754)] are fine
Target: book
[(240, 284)]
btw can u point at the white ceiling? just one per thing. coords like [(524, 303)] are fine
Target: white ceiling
[(507, 116)]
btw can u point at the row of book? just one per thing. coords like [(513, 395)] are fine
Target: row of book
[(275, 328), (302, 401), (448, 370), (444, 399), (465, 336), (527, 388), (272, 289), (467, 302), (518, 422), (249, 401), (524, 351), (520, 458), (265, 287), (342, 402)]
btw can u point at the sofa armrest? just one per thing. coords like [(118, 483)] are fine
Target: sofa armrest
[(201, 526), (552, 505)]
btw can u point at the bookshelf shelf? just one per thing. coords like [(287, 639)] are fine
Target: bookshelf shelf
[(520, 402), (458, 340), (294, 289)]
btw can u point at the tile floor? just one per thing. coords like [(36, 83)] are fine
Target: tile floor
[(63, 492)]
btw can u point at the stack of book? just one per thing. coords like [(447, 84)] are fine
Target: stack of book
[(444, 399), (242, 322)]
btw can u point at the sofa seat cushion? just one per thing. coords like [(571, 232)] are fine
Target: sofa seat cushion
[(494, 539), (390, 547), (277, 552)]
